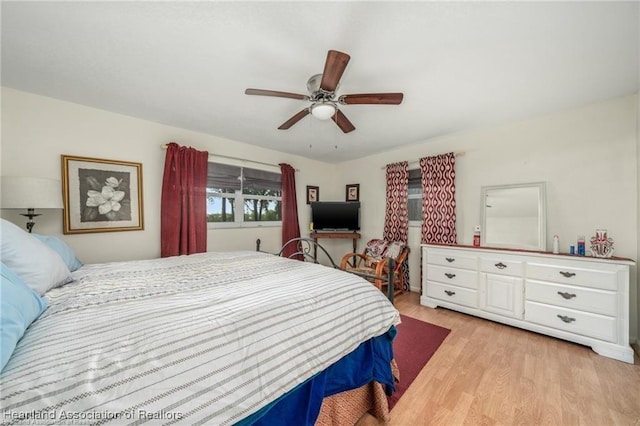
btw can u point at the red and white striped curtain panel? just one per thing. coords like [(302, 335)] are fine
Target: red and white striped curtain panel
[(438, 199), (396, 219)]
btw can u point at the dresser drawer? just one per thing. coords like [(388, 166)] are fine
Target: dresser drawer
[(605, 279), (452, 276), (503, 266), (584, 323), (580, 298), (458, 295), (454, 259)]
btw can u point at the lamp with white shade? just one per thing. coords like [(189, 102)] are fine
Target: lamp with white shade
[(30, 193)]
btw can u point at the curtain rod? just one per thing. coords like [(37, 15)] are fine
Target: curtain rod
[(164, 146), (413, 164)]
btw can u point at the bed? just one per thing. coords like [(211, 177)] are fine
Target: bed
[(213, 338)]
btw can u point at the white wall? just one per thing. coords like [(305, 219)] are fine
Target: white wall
[(637, 344), (587, 157), (37, 130)]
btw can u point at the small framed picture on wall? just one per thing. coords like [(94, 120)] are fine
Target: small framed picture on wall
[(353, 192), (313, 194)]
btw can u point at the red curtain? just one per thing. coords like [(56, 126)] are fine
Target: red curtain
[(438, 199), (396, 219), (290, 225), (183, 217)]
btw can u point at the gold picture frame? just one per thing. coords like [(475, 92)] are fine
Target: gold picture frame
[(101, 195), (313, 194), (353, 192)]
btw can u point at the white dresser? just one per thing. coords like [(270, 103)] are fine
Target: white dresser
[(580, 299)]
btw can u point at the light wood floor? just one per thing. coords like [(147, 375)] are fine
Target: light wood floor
[(487, 373)]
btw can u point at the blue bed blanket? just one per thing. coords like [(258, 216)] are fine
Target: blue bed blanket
[(371, 361)]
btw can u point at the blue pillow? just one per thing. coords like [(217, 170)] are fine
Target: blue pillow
[(19, 307), (63, 249)]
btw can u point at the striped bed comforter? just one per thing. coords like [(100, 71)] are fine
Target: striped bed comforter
[(201, 339)]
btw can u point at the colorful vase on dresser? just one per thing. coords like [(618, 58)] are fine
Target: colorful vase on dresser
[(601, 244)]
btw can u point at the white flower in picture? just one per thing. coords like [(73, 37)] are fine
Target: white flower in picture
[(113, 182), (108, 199)]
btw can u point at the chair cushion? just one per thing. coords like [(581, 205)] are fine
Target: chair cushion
[(394, 249), (375, 248), (370, 262), (362, 270)]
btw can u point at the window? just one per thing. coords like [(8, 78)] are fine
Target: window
[(414, 202), (241, 196)]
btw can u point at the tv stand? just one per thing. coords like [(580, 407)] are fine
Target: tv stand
[(353, 235)]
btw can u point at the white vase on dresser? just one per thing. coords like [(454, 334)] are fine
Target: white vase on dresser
[(580, 299)]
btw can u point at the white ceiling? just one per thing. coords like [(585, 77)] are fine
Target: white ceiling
[(460, 65)]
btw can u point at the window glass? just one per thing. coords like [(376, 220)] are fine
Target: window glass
[(257, 210), (261, 182), (223, 178), (219, 208), (414, 202), (243, 195)]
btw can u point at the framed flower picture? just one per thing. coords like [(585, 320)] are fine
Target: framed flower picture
[(353, 192), (101, 195), (313, 194)]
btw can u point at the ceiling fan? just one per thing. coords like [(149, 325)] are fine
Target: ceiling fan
[(322, 95)]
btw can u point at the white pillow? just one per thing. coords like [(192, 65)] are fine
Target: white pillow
[(63, 250), (37, 264)]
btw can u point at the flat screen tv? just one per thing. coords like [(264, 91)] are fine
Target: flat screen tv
[(335, 215)]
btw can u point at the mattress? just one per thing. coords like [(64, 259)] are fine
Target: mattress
[(210, 338)]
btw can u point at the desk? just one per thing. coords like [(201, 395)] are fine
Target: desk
[(348, 235)]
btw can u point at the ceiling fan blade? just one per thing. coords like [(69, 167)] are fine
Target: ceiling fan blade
[(275, 93), (293, 120), (343, 122), (333, 68), (372, 98)]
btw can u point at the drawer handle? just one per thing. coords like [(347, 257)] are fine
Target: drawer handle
[(449, 275), (450, 259), (566, 318), (567, 274), (500, 265), (449, 292), (566, 295)]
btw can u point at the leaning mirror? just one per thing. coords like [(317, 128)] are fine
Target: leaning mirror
[(514, 216)]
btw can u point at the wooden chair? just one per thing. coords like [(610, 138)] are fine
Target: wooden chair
[(374, 261)]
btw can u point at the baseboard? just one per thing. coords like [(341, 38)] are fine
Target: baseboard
[(636, 348)]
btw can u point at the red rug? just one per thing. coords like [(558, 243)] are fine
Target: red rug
[(413, 346)]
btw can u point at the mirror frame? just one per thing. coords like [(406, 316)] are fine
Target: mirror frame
[(542, 216)]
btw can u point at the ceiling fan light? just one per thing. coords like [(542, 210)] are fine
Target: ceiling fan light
[(323, 110)]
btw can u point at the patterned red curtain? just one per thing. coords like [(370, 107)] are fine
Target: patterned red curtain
[(438, 199), (396, 218), (290, 225), (183, 214)]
